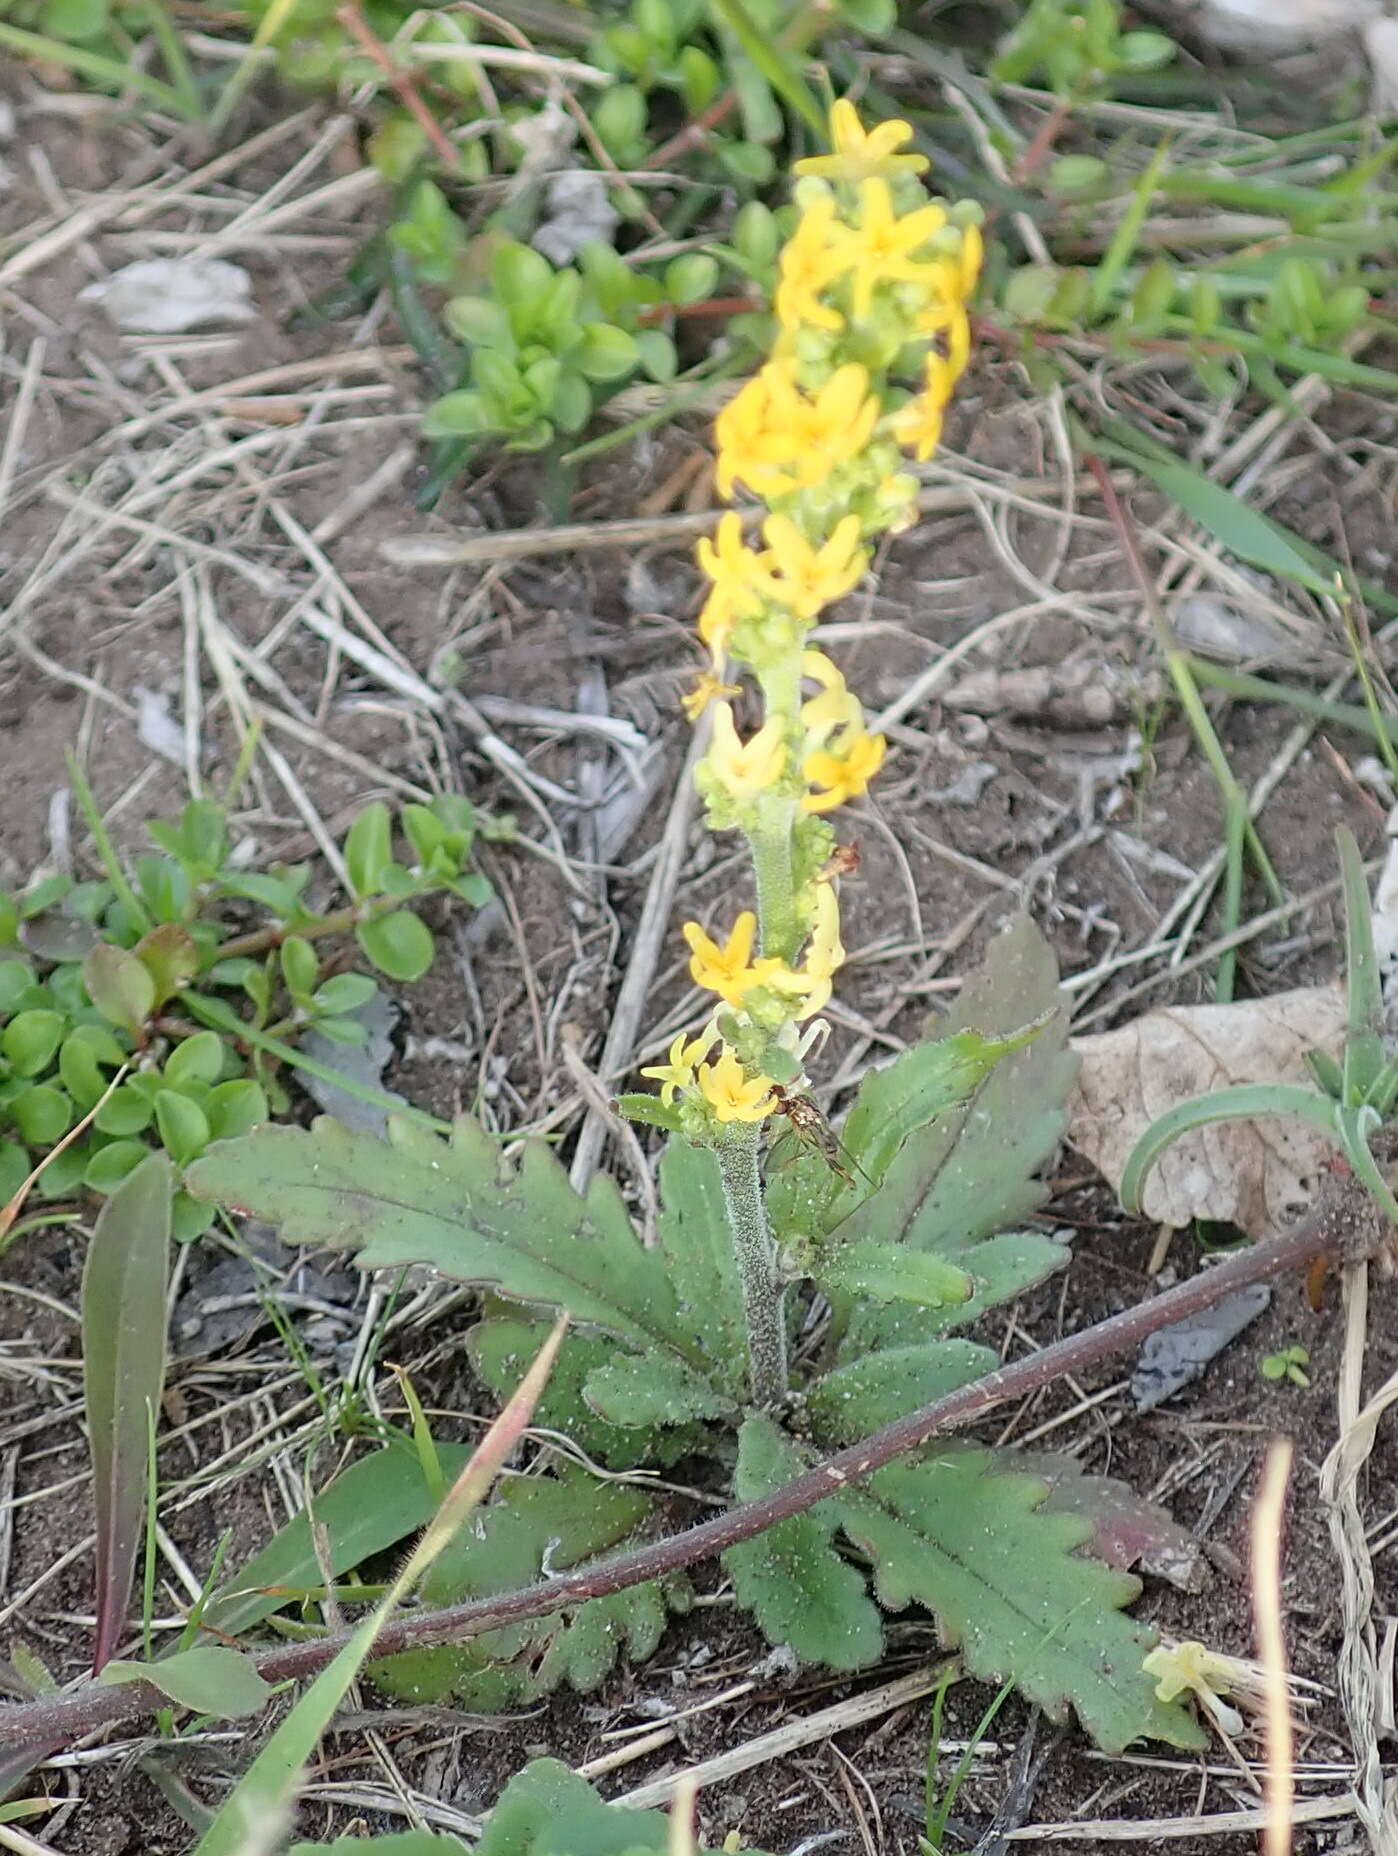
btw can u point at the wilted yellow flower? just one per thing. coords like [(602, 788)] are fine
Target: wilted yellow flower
[(825, 954), (860, 154), (730, 970), (736, 572), (835, 707), (709, 688), (808, 265), (678, 1072), (1204, 1673), (730, 1094), (880, 249), (808, 578), (746, 768), (844, 775)]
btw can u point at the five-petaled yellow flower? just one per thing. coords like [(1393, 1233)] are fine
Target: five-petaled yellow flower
[(836, 706), (809, 265), (745, 769), (860, 153), (808, 578), (736, 573), (730, 970), (880, 249), (678, 1072), (777, 438), (730, 1094), (843, 775)]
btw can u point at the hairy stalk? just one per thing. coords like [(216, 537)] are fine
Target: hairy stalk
[(756, 1253), (780, 929), (1343, 1223)]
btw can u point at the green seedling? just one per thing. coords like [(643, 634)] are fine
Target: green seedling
[(1288, 1363)]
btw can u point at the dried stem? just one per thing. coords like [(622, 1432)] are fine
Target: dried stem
[(1344, 1223)]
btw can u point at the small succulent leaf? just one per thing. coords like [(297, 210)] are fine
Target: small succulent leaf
[(31, 1039), (399, 945), (649, 1110), (197, 1060), (535, 1525), (184, 1129), (169, 955), (496, 1347), (369, 850), (547, 1810), (42, 1115), (693, 1236), (458, 1207), (120, 986), (653, 1389), (853, 1400), (890, 1273), (1243, 1102), (1010, 1590), (209, 1678), (124, 1346), (791, 1578)]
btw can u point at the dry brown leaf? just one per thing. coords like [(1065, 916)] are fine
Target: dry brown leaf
[(1254, 1174)]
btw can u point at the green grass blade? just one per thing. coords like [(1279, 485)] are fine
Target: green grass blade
[(1240, 1103), (1364, 1055), (1118, 254), (102, 70)]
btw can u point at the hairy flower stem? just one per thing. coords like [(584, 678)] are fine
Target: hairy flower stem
[(773, 865), (756, 1252)]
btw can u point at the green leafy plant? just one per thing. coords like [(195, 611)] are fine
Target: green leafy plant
[(1288, 1363), (1078, 47), (140, 1010), (1352, 1100)]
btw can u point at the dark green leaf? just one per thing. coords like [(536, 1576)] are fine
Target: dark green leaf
[(126, 1111), (851, 1401), (652, 1389), (184, 1130), (697, 1246), (459, 1207), (546, 1810), (791, 1578), (42, 1115), (892, 1273), (235, 1108), (123, 1333), (210, 1679), (30, 1039)]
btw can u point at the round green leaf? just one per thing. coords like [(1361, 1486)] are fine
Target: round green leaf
[(127, 1111), (42, 1114), (184, 1128), (692, 278), (235, 1108), (64, 1173), (14, 1169), (658, 357), (346, 992), (607, 352), (80, 1072), (16, 977), (109, 1165), (300, 966), (399, 945), (198, 1060), (188, 1218), (29, 1041)]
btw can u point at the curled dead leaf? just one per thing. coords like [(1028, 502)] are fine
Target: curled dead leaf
[(1253, 1174)]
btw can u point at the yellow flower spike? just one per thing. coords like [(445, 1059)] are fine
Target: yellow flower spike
[(732, 1095), (1190, 1667), (862, 154), (825, 955), (808, 265), (808, 578), (880, 249), (678, 1072), (741, 430), (730, 970), (709, 688), (844, 775), (810, 435), (745, 769)]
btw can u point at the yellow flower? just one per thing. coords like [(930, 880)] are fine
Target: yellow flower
[(708, 689), (825, 955), (777, 438), (678, 1072), (736, 572), (808, 264), (746, 768), (730, 1094), (844, 775), (861, 154), (1204, 1673), (919, 423), (730, 970), (835, 707), (972, 257), (880, 250), (742, 431), (808, 578)]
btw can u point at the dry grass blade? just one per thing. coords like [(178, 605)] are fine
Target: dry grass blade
[(1267, 1514), (123, 1330)]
